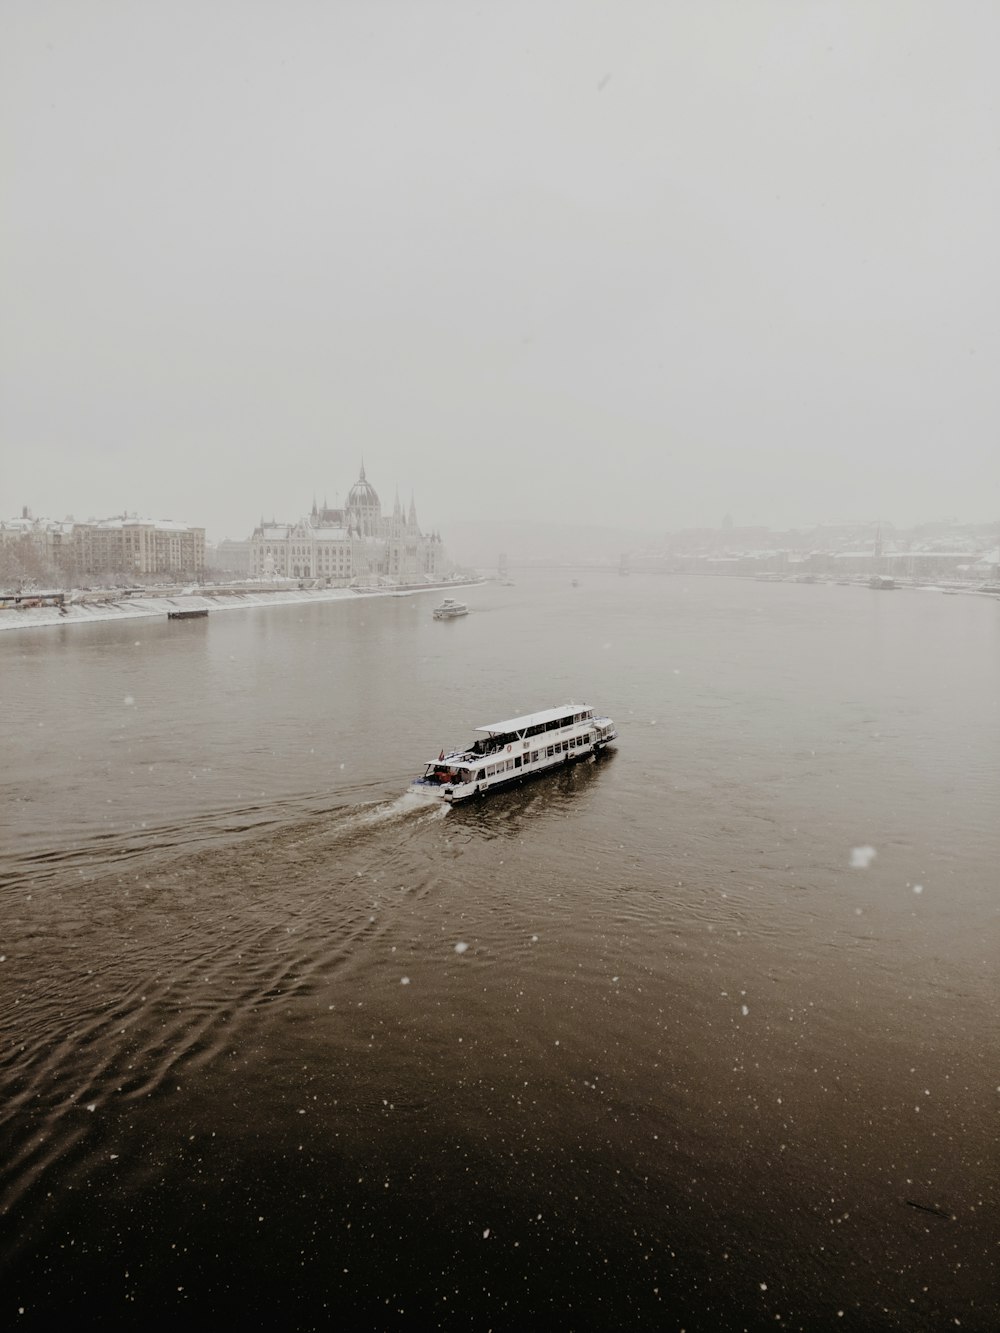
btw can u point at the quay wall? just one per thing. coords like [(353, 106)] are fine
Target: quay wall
[(135, 605)]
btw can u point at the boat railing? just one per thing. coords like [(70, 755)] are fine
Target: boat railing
[(495, 746)]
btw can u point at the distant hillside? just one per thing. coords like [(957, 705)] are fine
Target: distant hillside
[(480, 544)]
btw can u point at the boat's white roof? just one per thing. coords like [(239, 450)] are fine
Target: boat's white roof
[(534, 719)]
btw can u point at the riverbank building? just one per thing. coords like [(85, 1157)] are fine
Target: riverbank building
[(123, 547), (355, 544)]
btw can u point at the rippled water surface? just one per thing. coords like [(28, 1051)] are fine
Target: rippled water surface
[(634, 1045)]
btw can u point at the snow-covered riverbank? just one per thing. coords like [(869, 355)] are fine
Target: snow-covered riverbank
[(135, 606)]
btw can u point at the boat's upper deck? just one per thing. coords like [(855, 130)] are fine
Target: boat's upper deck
[(569, 712)]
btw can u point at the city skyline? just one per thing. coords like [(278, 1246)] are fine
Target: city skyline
[(273, 513), (480, 544)]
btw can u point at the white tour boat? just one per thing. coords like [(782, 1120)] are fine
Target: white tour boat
[(449, 609), (518, 748)]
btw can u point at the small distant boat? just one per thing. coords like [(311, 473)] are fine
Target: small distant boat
[(188, 615), (882, 582), (449, 609), (517, 748), (576, 583)]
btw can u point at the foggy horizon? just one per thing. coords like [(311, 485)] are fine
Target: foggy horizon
[(628, 267)]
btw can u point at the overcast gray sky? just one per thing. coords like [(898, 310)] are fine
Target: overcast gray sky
[(609, 262)]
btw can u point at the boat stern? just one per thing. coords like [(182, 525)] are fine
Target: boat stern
[(448, 779)]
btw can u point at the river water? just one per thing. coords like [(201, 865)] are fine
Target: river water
[(633, 1046)]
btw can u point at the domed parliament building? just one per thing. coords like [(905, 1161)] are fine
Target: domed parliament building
[(356, 544)]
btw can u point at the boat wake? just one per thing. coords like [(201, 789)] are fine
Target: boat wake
[(206, 947), (408, 804)]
